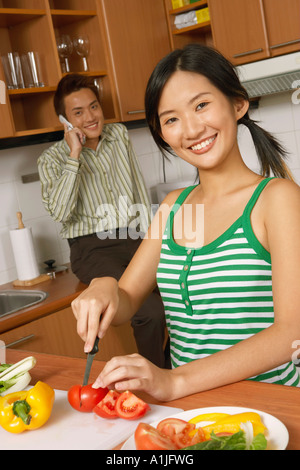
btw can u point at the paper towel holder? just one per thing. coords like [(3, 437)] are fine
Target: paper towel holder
[(30, 282)]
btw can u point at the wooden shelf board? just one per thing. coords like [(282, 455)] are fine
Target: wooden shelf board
[(90, 73), (191, 6), (29, 91), (37, 131), (65, 17), (189, 29), (14, 16)]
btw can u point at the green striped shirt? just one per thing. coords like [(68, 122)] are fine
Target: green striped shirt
[(101, 191), (220, 294)]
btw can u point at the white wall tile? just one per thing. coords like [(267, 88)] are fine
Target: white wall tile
[(276, 113), (9, 204)]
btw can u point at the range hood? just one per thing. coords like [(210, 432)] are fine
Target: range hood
[(270, 76)]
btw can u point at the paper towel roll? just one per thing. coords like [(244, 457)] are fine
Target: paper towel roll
[(23, 249)]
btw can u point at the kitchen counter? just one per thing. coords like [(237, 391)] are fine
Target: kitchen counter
[(62, 291), (278, 400)]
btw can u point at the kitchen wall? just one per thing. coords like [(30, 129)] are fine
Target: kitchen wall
[(276, 113)]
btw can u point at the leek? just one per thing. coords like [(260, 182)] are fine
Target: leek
[(14, 378)]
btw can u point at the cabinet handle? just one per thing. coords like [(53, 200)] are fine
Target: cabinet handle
[(285, 43), (21, 340), (242, 54), (136, 112)]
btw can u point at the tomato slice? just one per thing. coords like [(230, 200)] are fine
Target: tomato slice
[(148, 438), (129, 406), (85, 398), (171, 426), (182, 433), (106, 408)]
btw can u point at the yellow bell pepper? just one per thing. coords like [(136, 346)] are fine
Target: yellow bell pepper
[(26, 410), (232, 423), (208, 417)]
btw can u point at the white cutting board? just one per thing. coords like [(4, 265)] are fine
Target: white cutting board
[(68, 429)]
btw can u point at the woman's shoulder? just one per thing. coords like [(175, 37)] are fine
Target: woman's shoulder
[(281, 193)]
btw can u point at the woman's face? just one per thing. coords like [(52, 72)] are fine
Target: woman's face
[(197, 121)]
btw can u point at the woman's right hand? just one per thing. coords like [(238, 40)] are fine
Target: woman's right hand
[(95, 308)]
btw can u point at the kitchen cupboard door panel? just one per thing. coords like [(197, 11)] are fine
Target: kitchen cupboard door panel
[(239, 30), (138, 35), (283, 25), (56, 334)]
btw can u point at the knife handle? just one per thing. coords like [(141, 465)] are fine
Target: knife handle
[(95, 347)]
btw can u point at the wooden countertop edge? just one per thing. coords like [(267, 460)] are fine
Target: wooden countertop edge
[(62, 291)]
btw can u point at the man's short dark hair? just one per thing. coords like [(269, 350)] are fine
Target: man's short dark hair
[(69, 84)]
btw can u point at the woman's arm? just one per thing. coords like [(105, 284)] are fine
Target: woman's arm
[(263, 351)]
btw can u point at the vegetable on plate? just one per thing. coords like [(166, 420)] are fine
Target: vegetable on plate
[(85, 398), (241, 431), (15, 377), (26, 410), (170, 434)]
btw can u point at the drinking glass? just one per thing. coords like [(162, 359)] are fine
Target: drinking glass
[(65, 49), (13, 70), (82, 48), (31, 66)]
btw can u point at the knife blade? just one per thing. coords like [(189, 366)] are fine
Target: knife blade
[(89, 361)]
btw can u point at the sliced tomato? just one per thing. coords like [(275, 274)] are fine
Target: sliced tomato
[(106, 408), (129, 406), (186, 439), (148, 438), (85, 398), (171, 426)]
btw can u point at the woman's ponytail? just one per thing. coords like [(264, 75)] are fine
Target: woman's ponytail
[(270, 152)]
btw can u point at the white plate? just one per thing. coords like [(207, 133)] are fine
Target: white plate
[(277, 435)]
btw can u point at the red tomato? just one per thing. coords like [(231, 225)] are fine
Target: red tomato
[(85, 398), (148, 438), (106, 408), (181, 433), (171, 426), (129, 406)]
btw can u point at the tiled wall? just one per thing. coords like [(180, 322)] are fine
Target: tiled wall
[(276, 113)]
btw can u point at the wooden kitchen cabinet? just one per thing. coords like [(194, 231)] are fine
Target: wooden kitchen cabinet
[(34, 25), (56, 334), (199, 33), (283, 25), (138, 36), (247, 31), (239, 30)]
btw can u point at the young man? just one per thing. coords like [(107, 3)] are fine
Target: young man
[(91, 183)]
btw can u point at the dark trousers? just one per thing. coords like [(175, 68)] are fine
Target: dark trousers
[(93, 257)]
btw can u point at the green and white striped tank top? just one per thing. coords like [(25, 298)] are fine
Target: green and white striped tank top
[(219, 294)]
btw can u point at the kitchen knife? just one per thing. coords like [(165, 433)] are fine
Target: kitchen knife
[(89, 361)]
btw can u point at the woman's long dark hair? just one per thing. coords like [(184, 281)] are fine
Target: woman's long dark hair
[(221, 73)]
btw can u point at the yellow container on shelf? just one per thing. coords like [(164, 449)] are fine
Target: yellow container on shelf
[(202, 15), (179, 3)]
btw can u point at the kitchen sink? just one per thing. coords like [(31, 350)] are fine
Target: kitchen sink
[(13, 300)]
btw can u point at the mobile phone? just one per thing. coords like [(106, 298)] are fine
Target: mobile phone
[(63, 120)]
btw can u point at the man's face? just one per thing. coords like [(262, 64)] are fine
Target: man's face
[(83, 110)]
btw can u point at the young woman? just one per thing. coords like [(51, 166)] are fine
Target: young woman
[(228, 279)]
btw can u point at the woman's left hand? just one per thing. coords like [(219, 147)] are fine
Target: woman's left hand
[(134, 372)]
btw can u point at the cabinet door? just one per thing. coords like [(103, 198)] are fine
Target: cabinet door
[(56, 334), (283, 25), (239, 29), (138, 35)]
